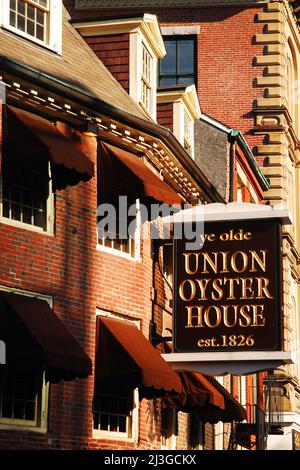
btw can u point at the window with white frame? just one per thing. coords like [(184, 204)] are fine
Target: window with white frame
[(26, 194), (146, 78), (115, 404), (113, 409), (23, 393), (122, 235), (21, 398), (38, 20), (31, 17)]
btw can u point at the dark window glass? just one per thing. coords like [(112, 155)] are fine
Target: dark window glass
[(179, 64)]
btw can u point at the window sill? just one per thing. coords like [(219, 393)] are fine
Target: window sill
[(31, 228), (113, 251), (111, 436), (32, 39), (15, 427)]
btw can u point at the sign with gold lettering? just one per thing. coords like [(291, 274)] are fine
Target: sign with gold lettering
[(228, 294)]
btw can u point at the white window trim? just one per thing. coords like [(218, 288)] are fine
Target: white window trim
[(137, 240), (55, 25), (43, 428), (179, 109), (136, 41), (121, 436), (33, 228)]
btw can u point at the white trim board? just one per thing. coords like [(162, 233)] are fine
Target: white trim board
[(223, 363)]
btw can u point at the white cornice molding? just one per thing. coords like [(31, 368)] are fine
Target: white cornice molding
[(188, 96), (146, 24)]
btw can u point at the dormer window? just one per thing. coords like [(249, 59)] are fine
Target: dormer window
[(37, 20), (130, 48), (178, 109)]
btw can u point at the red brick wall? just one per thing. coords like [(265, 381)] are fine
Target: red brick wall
[(165, 115), (113, 50), (80, 279), (226, 57)]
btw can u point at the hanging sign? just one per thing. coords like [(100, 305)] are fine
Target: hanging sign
[(228, 294)]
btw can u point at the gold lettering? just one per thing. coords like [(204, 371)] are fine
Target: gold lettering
[(187, 262), (225, 315), (225, 261), (191, 316), (217, 289), (244, 261), (202, 283), (260, 261), (212, 264), (182, 290), (244, 312), (258, 315), (231, 286), (247, 286), (207, 319), (262, 287)]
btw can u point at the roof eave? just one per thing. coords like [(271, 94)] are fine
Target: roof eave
[(156, 131)]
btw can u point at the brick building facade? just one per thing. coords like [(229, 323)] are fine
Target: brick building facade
[(246, 70), (68, 124)]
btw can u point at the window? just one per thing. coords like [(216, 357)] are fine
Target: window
[(31, 17), (20, 399), (113, 409), (122, 234), (168, 428), (178, 66), (147, 78), (23, 392), (26, 193), (115, 402), (38, 20)]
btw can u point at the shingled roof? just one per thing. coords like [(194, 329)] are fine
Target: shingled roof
[(78, 66)]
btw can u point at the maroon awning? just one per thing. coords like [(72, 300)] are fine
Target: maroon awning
[(28, 134), (123, 172), (206, 397), (198, 392), (233, 410), (35, 337), (124, 354)]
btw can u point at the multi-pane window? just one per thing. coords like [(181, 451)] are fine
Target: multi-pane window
[(122, 233), (147, 66), (25, 192), (30, 17), (20, 399), (178, 65), (113, 409)]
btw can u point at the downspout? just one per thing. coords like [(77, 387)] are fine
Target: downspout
[(233, 137)]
